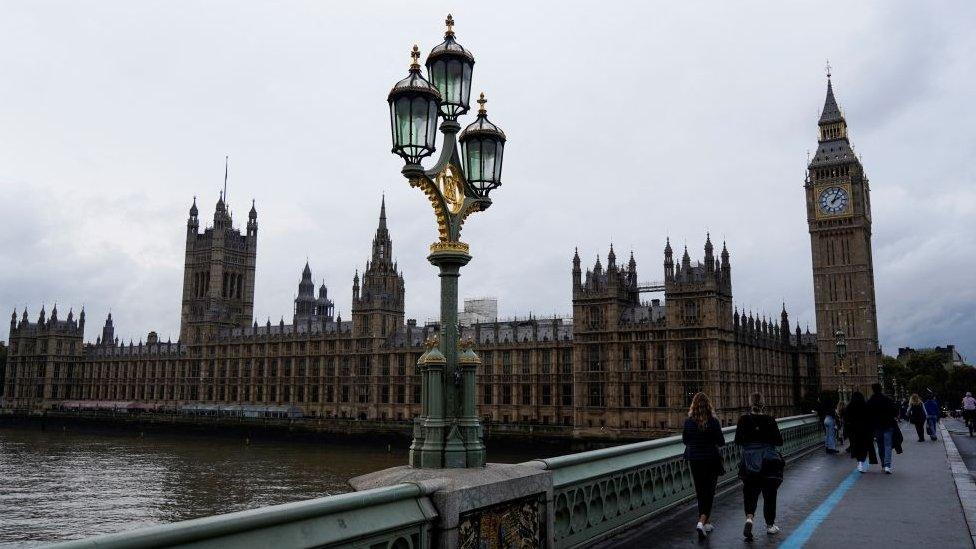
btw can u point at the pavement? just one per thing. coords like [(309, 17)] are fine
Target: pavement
[(964, 443), (825, 503)]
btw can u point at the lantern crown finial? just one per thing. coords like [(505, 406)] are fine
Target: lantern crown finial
[(481, 105), (449, 22), (415, 58)]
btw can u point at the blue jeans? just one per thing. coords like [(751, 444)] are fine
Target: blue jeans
[(830, 424), (883, 438), (932, 426)]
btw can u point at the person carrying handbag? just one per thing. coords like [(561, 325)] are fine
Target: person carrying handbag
[(761, 467), (703, 437)]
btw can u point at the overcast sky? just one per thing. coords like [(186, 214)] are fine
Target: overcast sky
[(627, 122)]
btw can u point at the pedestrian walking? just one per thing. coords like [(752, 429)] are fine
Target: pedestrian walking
[(761, 467), (883, 414), (932, 412), (916, 415), (857, 424), (830, 429), (703, 437), (839, 417), (969, 412)]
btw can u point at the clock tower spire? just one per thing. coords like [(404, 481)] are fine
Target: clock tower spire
[(839, 221)]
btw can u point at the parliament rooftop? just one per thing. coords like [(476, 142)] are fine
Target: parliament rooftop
[(620, 372)]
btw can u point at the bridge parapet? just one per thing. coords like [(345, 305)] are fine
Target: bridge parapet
[(391, 517), (601, 492), (594, 495)]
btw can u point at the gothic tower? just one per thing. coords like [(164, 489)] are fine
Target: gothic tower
[(218, 274), (839, 220), (308, 308), (377, 305), (698, 298)]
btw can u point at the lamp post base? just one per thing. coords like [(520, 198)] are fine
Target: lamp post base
[(449, 435)]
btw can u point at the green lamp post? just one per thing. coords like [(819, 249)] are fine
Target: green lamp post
[(447, 434), (841, 345)]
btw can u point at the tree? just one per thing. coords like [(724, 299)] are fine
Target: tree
[(922, 373), (960, 380)]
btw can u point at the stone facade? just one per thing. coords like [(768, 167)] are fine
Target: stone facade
[(620, 367), (838, 199)]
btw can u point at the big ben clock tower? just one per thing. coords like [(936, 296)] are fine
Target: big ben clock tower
[(839, 219)]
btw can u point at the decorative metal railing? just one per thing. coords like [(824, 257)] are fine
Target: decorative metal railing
[(595, 494), (394, 517), (601, 492)]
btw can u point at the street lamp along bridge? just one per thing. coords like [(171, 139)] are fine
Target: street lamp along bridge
[(448, 433)]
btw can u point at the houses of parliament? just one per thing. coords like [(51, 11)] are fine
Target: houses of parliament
[(621, 367)]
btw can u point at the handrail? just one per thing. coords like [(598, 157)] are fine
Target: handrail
[(167, 535), (559, 462)]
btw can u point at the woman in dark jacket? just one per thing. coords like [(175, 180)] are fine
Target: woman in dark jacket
[(761, 469), (859, 430), (916, 415), (702, 437)]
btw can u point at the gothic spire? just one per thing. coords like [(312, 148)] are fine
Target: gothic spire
[(831, 112), (382, 244)]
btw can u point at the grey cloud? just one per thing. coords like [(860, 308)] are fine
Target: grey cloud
[(672, 120)]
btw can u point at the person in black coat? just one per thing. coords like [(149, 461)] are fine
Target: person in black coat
[(883, 415), (703, 436), (916, 415), (858, 427), (761, 469)]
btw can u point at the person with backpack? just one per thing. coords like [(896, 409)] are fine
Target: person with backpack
[(932, 412), (761, 467), (916, 415), (703, 437)]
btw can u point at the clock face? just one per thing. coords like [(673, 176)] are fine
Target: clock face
[(833, 200)]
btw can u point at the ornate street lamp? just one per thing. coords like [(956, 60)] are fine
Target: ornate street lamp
[(447, 434), (841, 345)]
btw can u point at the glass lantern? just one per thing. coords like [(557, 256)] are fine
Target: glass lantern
[(449, 67), (414, 104), (483, 146)]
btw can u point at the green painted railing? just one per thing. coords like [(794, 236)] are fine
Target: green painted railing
[(595, 494), (395, 517), (602, 492)]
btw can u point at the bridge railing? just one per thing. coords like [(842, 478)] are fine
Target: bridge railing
[(393, 517), (602, 492), (594, 495)]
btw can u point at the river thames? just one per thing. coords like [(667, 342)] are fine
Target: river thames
[(59, 485)]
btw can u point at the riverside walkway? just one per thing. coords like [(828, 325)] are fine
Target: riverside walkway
[(825, 503)]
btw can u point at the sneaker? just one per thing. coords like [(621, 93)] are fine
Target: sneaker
[(709, 527), (700, 528), (772, 530), (887, 470), (747, 530), (861, 468)]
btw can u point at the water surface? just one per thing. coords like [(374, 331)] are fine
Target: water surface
[(58, 485)]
